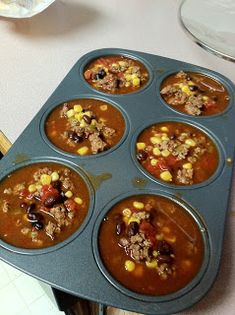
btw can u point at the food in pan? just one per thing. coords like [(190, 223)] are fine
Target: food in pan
[(116, 74), (151, 245), (85, 126), (177, 153), (41, 205), (194, 94)]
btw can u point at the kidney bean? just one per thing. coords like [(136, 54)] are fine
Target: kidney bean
[(133, 228)]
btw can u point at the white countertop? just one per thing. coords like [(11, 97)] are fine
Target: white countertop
[(36, 54)]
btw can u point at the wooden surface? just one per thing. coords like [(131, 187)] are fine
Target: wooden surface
[(5, 144)]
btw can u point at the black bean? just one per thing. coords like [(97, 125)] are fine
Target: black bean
[(70, 134), (23, 205), (63, 197), (37, 197), (33, 217), (100, 75), (31, 207), (38, 225), (132, 229), (164, 259), (193, 88), (164, 248), (142, 155), (188, 78), (120, 228), (87, 119), (74, 136), (50, 201), (57, 185)]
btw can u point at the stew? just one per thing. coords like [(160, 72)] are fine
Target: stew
[(195, 94), (151, 245), (85, 126), (41, 205), (177, 153), (116, 74)]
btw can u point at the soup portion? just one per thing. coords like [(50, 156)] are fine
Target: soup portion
[(194, 94), (151, 245), (41, 205), (116, 74), (85, 126), (177, 153)]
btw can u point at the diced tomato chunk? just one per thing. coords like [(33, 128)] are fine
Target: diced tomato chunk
[(48, 191), (171, 160), (210, 104)]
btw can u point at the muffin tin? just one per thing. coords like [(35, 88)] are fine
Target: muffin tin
[(74, 266)]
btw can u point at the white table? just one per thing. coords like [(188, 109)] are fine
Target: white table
[(36, 53)]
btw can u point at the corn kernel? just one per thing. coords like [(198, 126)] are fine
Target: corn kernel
[(104, 107), (190, 83), (164, 129), (190, 142), (38, 187), (122, 63), (155, 140), (165, 138), (154, 162), (70, 113), (151, 264), (181, 85), (129, 265), (136, 82), (170, 239), (128, 77), (165, 153), (140, 145), (166, 176), (133, 219), (93, 122), (154, 253), (83, 123), (115, 65), (127, 84), (55, 176), (126, 212), (79, 116), (187, 166), (32, 188), (83, 150), (186, 90), (69, 194), (156, 151), (78, 200), (77, 108), (45, 179), (138, 205), (205, 98)]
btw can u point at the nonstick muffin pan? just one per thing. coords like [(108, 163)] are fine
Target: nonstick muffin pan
[(75, 265)]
